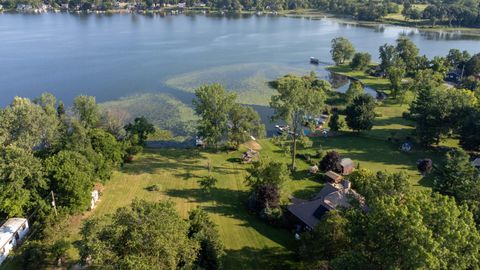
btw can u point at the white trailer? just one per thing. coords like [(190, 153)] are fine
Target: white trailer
[(12, 232)]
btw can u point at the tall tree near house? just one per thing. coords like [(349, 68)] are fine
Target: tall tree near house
[(244, 123), (342, 50), (212, 103), (296, 99)]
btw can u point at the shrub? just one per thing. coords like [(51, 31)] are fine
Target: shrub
[(331, 162)]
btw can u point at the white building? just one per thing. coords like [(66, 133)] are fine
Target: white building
[(12, 233), (95, 197)]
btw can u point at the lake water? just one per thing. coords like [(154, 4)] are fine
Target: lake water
[(114, 56)]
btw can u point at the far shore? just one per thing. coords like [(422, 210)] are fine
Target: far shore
[(299, 13)]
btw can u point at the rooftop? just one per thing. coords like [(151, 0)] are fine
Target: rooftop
[(8, 228)]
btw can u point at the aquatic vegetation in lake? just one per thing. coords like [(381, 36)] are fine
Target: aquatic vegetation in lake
[(164, 111), (248, 80)]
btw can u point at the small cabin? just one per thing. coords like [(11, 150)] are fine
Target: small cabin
[(12, 232), (347, 166)]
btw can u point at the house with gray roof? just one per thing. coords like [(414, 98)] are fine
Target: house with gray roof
[(307, 214)]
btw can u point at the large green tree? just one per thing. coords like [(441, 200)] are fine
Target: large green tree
[(408, 52), (416, 230), (87, 111), (71, 178), (342, 50), (297, 98), (244, 122), (388, 55), (203, 230), (21, 181), (470, 131), (395, 75), (361, 113), (144, 235), (213, 104), (140, 129)]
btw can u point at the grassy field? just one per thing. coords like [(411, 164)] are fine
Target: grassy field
[(250, 243)]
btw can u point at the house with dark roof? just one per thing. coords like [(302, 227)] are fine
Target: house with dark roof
[(307, 214)]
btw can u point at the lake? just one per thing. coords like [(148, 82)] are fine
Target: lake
[(130, 60)]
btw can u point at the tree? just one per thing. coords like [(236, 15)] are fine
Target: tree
[(331, 162), (470, 130), (328, 240), (140, 128), (342, 50), (297, 99), (438, 111), (376, 185), (457, 58), (144, 235), (244, 123), (21, 181), (266, 171), (107, 154), (388, 54), (335, 122), (360, 61), (457, 178), (207, 183), (212, 103), (417, 230), (70, 175), (26, 125), (203, 230), (408, 52), (361, 113), (354, 89), (472, 67), (395, 75), (425, 166), (86, 110)]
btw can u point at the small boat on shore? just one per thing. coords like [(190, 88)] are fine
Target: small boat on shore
[(314, 61)]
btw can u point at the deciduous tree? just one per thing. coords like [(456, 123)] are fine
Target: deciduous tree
[(361, 113)]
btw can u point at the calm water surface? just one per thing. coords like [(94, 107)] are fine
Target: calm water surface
[(112, 56)]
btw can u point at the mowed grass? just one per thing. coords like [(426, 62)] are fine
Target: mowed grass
[(250, 243)]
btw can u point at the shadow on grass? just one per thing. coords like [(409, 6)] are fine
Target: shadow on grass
[(265, 258), (181, 162), (232, 204)]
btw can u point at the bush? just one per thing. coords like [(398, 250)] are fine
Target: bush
[(304, 142), (425, 166), (331, 162)]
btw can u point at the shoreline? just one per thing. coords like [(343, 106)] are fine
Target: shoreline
[(300, 13)]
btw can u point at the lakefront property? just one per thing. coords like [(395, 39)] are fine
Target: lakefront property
[(239, 135)]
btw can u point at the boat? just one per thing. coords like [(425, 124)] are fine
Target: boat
[(314, 61)]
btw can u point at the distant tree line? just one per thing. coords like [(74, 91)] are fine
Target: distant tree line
[(452, 13)]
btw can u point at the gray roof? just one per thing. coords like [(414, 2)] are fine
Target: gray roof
[(306, 211), (346, 162)]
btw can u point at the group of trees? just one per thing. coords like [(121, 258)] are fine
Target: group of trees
[(224, 120), (47, 150), (402, 229), (151, 235)]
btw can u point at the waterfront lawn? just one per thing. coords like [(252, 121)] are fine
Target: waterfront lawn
[(250, 243)]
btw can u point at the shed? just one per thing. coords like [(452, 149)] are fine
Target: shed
[(333, 177), (95, 198), (12, 232), (347, 166)]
